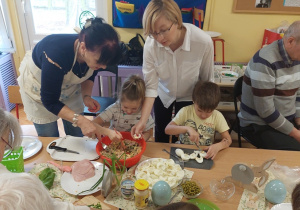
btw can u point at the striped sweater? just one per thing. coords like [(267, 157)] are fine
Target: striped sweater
[(271, 94)]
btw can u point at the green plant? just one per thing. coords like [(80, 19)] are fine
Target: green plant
[(116, 165)]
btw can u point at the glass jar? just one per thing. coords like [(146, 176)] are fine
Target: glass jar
[(141, 193), (127, 187)]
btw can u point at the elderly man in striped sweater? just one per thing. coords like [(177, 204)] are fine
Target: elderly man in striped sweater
[(270, 104)]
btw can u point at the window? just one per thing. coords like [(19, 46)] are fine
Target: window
[(6, 35), (44, 17)]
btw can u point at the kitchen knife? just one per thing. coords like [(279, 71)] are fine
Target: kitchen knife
[(63, 149)]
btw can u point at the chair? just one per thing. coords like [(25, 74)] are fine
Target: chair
[(105, 101), (15, 98), (237, 93)]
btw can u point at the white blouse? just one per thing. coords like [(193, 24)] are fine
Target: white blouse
[(172, 75)]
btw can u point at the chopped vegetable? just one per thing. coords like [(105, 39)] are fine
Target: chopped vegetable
[(115, 148), (47, 177), (190, 188), (96, 206)]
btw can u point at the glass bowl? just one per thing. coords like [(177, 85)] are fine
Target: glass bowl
[(191, 188), (223, 190)]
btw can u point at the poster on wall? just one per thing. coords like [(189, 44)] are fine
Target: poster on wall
[(129, 13)]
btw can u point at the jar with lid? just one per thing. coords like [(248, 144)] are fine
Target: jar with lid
[(141, 193), (127, 187)]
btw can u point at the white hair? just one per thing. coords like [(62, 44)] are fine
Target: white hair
[(293, 30), (9, 123), (23, 191)]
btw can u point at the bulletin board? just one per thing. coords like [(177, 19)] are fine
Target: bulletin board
[(269, 6)]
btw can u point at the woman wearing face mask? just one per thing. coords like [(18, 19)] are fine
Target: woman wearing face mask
[(176, 56), (57, 77)]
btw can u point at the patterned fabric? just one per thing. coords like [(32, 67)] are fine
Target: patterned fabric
[(254, 201), (271, 89), (115, 198), (120, 120), (206, 128)]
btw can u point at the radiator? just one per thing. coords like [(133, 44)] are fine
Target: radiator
[(7, 78)]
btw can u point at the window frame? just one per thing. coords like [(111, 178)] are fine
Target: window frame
[(26, 21), (6, 20)]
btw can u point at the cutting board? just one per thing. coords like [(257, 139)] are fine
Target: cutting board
[(85, 146), (89, 200), (207, 163)]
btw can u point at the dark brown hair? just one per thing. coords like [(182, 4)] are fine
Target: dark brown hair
[(296, 197), (206, 95), (133, 89), (179, 206), (101, 37)]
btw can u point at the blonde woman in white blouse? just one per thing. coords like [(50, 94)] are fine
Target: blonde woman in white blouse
[(176, 56)]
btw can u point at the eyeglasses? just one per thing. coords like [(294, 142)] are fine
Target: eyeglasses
[(162, 33), (8, 148)]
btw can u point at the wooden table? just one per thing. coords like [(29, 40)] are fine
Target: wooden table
[(221, 168)]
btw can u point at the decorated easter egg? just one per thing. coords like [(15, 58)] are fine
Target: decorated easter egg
[(161, 193), (275, 191)]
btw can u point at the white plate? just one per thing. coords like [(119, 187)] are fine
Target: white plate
[(85, 146), (213, 33), (71, 186), (31, 145), (149, 161), (282, 206)]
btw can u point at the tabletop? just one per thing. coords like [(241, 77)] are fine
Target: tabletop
[(221, 168)]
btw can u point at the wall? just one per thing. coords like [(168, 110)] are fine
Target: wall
[(242, 32)]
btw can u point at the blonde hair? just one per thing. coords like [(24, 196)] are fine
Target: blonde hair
[(23, 191), (168, 8), (9, 123), (133, 89)]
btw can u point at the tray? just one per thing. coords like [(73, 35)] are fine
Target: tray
[(207, 163), (85, 146)]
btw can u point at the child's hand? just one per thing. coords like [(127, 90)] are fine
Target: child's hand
[(212, 151), (194, 135)]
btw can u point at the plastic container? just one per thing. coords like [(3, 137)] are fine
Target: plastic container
[(141, 193), (130, 161), (223, 190), (14, 162)]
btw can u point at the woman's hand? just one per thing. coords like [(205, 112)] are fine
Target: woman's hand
[(138, 128), (92, 104), (114, 135), (88, 128), (194, 135)]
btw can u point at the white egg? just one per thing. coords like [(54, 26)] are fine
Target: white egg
[(202, 153), (199, 160), (185, 157), (193, 155), (179, 152)]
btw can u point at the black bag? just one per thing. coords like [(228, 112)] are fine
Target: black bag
[(132, 52)]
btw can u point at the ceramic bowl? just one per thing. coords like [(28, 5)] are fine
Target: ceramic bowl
[(222, 190), (185, 190)]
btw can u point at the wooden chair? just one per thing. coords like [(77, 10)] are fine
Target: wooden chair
[(15, 98)]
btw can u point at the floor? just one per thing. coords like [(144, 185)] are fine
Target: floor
[(28, 129)]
